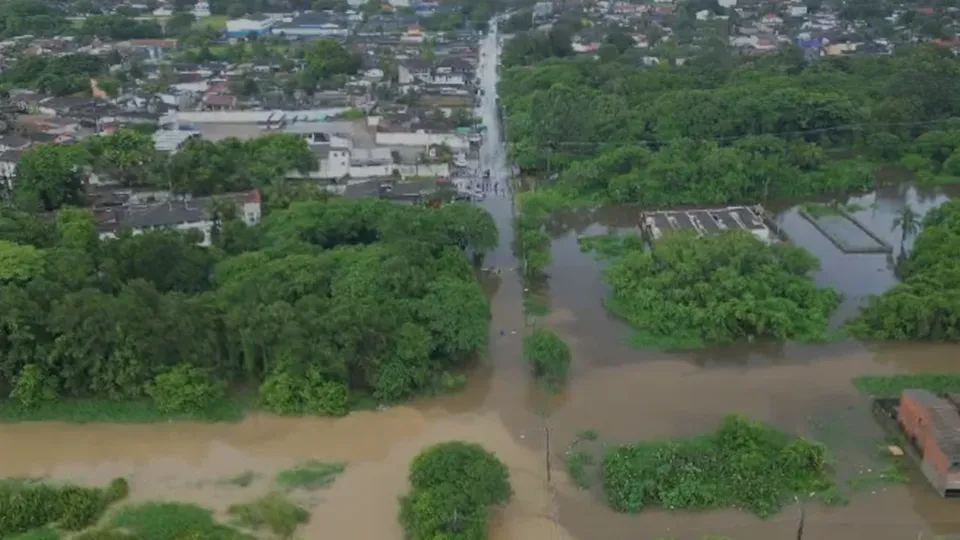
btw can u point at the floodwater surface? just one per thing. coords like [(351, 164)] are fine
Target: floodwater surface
[(625, 394)]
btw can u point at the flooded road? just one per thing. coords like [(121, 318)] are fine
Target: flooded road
[(623, 393)]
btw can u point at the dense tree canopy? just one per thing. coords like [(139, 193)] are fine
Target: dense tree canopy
[(332, 296), (926, 304), (55, 75), (718, 289), (50, 176), (759, 128), (455, 485), (29, 17)]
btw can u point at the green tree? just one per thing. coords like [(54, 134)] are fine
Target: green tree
[(18, 263), (690, 291), (909, 223), (50, 176), (454, 485), (123, 155)]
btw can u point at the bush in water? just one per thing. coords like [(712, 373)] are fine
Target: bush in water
[(26, 505), (744, 464), (454, 485), (548, 355)]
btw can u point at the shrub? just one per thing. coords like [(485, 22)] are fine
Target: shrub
[(273, 511), (286, 393), (744, 464), (310, 475), (548, 355), (454, 485), (25, 506), (117, 490), (172, 521), (185, 389), (32, 387)]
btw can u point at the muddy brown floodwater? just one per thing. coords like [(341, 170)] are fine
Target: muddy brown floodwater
[(623, 393)]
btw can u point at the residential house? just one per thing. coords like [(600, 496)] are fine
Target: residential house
[(413, 70), (313, 25), (183, 214), (155, 50)]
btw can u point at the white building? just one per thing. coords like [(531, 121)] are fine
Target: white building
[(201, 9), (249, 24)]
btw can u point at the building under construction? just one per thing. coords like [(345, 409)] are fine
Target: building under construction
[(707, 221)]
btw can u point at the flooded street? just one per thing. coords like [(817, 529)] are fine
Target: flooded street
[(622, 392)]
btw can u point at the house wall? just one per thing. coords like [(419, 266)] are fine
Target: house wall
[(915, 420), (423, 139)]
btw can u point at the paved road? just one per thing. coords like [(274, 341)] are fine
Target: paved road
[(493, 153)]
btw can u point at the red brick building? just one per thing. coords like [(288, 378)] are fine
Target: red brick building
[(932, 424)]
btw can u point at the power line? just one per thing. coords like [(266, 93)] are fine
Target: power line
[(841, 127)]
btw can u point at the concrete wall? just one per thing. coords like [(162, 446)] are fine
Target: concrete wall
[(422, 139), (205, 227)]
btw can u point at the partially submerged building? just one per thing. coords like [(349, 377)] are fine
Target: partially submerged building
[(707, 221), (932, 424)]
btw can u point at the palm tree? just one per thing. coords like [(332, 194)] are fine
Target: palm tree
[(908, 221)]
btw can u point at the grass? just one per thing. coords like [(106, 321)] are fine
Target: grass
[(172, 521), (83, 411), (38, 534), (217, 22), (310, 475), (243, 479), (745, 465), (104, 534), (274, 512), (889, 386)]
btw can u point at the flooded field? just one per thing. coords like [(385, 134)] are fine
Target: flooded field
[(623, 393)]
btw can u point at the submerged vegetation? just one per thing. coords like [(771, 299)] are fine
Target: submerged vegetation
[(454, 486), (312, 474), (925, 305), (744, 464), (324, 301), (172, 521), (27, 505), (690, 291), (548, 356), (273, 512)]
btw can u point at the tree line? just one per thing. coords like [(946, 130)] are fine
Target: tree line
[(756, 129), (50, 176), (324, 300)]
